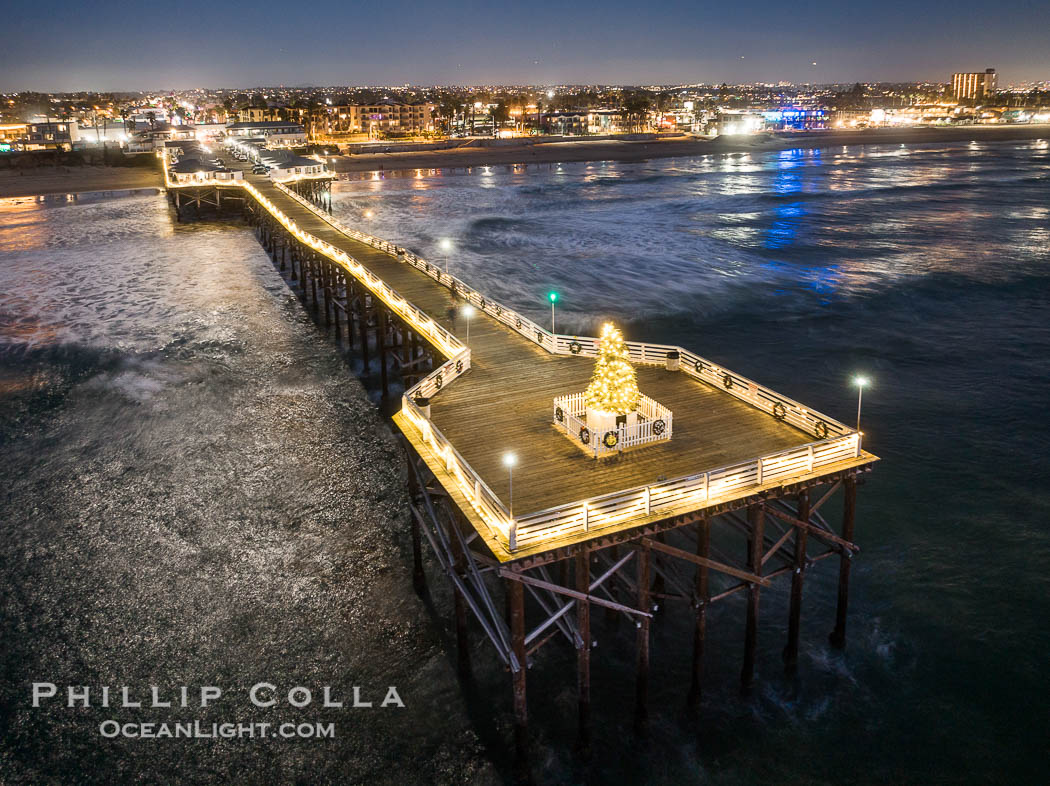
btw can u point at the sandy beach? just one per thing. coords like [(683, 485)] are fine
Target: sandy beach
[(544, 153), (78, 179)]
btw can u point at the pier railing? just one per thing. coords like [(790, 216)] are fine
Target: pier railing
[(834, 443)]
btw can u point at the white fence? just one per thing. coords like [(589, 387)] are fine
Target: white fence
[(835, 441), (654, 425)]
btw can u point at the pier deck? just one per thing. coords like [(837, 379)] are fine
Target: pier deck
[(503, 403)]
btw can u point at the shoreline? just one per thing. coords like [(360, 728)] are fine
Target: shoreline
[(615, 150), (98, 180)]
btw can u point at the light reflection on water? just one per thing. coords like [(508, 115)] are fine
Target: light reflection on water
[(875, 215)]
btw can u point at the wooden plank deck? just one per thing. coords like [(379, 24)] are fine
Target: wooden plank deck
[(505, 401)]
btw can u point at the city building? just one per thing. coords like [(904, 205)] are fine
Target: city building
[(974, 86)]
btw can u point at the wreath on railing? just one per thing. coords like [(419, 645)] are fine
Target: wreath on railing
[(659, 427), (559, 414), (727, 381), (821, 430), (539, 336), (779, 411), (585, 435), (576, 347), (517, 324), (611, 439), (498, 311), (481, 305), (438, 382), (699, 366), (459, 366)]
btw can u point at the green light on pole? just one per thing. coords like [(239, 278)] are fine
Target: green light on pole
[(553, 297)]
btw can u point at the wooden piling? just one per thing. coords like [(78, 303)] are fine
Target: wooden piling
[(415, 493), (381, 351), (849, 508), (756, 524), (459, 564), (516, 602), (583, 655), (703, 550), (641, 694), (797, 577)]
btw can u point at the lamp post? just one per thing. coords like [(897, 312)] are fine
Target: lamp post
[(446, 246), (467, 311), (861, 382), (509, 460), (553, 297)]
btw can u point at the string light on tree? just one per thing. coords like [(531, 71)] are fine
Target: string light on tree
[(614, 385)]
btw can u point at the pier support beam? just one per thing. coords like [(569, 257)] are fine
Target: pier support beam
[(849, 508), (583, 655), (703, 550), (756, 516), (797, 577), (641, 693)]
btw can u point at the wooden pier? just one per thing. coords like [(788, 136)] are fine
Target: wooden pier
[(746, 465)]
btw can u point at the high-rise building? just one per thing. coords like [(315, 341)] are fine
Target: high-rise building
[(978, 85)]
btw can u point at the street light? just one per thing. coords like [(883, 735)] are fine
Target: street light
[(467, 311), (509, 460), (861, 382), (553, 297), (446, 246)]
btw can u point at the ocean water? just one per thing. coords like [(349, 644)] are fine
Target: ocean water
[(926, 267), (196, 489)]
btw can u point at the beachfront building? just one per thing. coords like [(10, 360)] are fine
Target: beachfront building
[(287, 166), (383, 118), (49, 135), (795, 119), (149, 140), (259, 114), (194, 171), (275, 133), (975, 86)]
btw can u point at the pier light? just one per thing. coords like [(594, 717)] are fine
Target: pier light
[(552, 297), (467, 311), (861, 382), (369, 214), (446, 246), (509, 461)]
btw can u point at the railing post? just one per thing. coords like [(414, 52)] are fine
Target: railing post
[(759, 474), (648, 501), (586, 518), (809, 464), (477, 491), (512, 535)]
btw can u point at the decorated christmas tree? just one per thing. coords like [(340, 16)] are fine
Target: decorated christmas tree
[(614, 387)]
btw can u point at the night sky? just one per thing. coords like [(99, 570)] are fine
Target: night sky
[(73, 44)]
